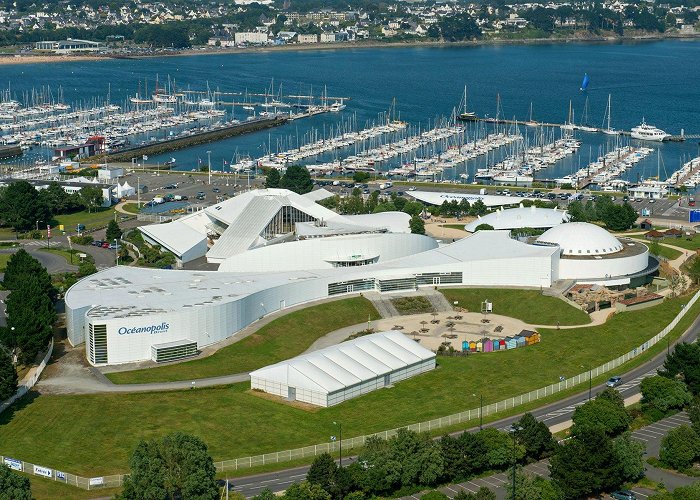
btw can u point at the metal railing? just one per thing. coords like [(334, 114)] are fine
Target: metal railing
[(24, 388), (359, 441)]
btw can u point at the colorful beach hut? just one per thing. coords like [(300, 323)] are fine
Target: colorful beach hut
[(530, 337), (472, 346), (479, 346), (511, 343), (520, 340), (496, 344), (488, 345)]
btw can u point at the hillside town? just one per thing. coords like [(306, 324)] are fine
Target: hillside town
[(70, 26)]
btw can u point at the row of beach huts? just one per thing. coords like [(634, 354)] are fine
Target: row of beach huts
[(524, 338)]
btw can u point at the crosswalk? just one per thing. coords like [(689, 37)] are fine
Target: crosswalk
[(34, 243)]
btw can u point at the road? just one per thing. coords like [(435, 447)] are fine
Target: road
[(552, 414)]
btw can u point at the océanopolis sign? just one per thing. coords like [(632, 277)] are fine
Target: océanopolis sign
[(151, 329)]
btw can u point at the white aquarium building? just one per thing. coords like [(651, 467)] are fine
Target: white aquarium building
[(521, 217), (127, 314), (335, 374)]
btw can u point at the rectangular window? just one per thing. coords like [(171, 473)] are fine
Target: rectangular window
[(175, 350), (97, 344)]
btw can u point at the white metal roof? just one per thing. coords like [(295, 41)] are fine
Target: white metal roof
[(517, 218), (176, 237), (581, 238), (490, 200), (337, 367)]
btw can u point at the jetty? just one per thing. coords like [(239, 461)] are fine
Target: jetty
[(181, 142), (471, 117)]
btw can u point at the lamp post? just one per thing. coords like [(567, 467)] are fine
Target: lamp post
[(116, 250), (209, 165), (340, 434), (481, 409), (513, 429), (590, 381)]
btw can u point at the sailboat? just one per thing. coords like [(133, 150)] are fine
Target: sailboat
[(569, 125), (531, 122), (584, 126), (466, 116), (585, 82), (608, 130)]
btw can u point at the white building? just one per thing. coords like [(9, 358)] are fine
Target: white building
[(522, 217), (302, 38), (259, 218), (335, 374), (68, 46), (490, 200), (250, 37), (127, 314), (107, 174)]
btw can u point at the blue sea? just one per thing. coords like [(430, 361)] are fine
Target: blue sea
[(656, 80)]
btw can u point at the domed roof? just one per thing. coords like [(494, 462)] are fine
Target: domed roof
[(581, 239)]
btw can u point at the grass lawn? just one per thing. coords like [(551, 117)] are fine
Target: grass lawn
[(283, 338), (454, 226), (4, 257), (684, 242), (668, 253), (95, 219), (412, 305), (48, 489), (94, 434), (529, 306), (132, 208)]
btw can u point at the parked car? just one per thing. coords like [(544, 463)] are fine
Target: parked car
[(105, 244), (623, 495), (614, 381), (216, 190), (97, 243), (114, 246)]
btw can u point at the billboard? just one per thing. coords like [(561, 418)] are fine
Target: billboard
[(43, 471), (13, 464), (694, 216)]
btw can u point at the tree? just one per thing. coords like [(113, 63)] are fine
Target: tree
[(680, 447), (683, 363), (528, 487), (586, 464), (30, 318), (22, 266), (484, 227), (20, 206), (114, 232), (360, 176), (90, 197), (612, 395), (535, 436), (694, 414), (616, 217), (8, 376), (272, 178), (297, 179), (176, 466), (305, 491), (499, 446), (478, 208), (630, 455), (664, 394), (694, 269), (459, 27), (325, 473), (13, 486), (603, 414), (417, 225), (265, 494)]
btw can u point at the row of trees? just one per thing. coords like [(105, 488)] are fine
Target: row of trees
[(22, 206), (29, 306), (296, 178), (601, 456), (603, 209)]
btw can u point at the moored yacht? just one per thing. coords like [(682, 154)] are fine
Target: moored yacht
[(646, 132)]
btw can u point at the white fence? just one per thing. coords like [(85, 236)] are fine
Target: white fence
[(358, 442), (24, 388)]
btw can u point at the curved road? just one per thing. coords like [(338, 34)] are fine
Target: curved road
[(552, 414)]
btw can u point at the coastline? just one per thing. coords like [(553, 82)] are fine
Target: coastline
[(18, 59)]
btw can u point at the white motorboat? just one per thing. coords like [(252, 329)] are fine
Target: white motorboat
[(646, 132)]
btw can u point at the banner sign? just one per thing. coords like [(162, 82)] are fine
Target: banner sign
[(13, 464), (43, 471)]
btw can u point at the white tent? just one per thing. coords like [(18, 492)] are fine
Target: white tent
[(124, 190), (335, 374)]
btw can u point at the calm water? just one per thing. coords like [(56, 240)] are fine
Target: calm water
[(655, 80)]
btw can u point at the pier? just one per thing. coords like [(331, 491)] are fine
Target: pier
[(168, 145), (469, 117)]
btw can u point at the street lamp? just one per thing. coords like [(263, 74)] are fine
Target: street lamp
[(481, 407), (590, 381), (116, 250), (513, 429), (340, 433), (37, 224)]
